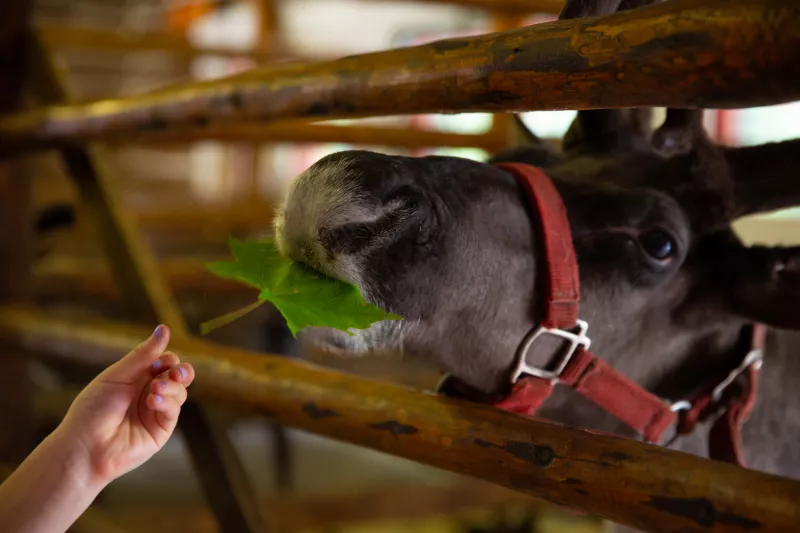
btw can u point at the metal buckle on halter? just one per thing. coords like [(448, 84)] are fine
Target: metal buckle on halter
[(576, 340), (676, 407), (754, 357)]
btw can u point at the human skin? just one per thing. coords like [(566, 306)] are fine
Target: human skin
[(121, 419)]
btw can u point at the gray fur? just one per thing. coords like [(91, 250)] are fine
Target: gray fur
[(450, 244), (460, 265)]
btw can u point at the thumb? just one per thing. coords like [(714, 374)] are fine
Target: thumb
[(140, 358)]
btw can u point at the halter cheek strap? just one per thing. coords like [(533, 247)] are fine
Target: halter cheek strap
[(578, 368)]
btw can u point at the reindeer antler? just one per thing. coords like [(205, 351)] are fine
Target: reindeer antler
[(764, 177), (717, 185), (605, 130)]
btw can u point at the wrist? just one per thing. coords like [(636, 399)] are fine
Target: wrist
[(74, 461), (52, 487)]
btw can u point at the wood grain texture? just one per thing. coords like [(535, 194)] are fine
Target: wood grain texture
[(641, 485), (313, 133), (724, 53)]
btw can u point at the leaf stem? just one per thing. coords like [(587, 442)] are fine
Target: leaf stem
[(227, 318)]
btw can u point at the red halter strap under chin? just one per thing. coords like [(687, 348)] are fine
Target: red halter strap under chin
[(578, 368)]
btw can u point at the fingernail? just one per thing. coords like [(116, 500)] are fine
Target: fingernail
[(182, 371), (158, 332), (158, 398), (164, 385), (157, 363)]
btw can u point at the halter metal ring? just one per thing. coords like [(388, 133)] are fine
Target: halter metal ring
[(676, 407), (576, 340)]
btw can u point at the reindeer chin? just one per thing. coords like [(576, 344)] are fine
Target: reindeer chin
[(382, 338)]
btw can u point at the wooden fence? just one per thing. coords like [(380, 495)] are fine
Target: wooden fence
[(723, 53)]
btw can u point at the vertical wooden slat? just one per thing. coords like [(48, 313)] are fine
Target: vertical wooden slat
[(270, 41), (503, 127), (149, 298), (270, 38), (16, 238), (219, 470)]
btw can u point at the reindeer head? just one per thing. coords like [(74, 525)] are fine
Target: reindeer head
[(450, 244)]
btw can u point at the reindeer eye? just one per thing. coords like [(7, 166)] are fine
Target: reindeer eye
[(658, 244)]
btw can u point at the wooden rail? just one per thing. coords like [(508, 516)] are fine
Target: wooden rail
[(725, 53), (128, 41), (315, 133), (641, 485), (508, 6), (328, 513), (82, 279)]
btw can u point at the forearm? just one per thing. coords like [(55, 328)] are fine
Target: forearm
[(49, 490)]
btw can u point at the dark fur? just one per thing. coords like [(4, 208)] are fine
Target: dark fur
[(463, 265), (460, 263)]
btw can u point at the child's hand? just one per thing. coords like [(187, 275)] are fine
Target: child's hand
[(128, 412)]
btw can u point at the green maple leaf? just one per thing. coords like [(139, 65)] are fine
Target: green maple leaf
[(304, 296)]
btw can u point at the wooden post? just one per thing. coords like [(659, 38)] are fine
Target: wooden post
[(270, 41), (149, 299), (503, 128), (146, 296), (16, 236), (219, 470)]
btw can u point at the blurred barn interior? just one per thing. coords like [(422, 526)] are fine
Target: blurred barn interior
[(189, 196)]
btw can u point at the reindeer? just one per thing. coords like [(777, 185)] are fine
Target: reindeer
[(669, 292)]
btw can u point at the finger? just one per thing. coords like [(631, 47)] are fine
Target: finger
[(164, 363), (137, 360), (166, 411), (168, 387), (182, 373)]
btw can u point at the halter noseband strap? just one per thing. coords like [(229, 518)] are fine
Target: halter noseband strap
[(578, 368)]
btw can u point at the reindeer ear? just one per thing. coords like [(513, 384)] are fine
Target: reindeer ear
[(763, 284)]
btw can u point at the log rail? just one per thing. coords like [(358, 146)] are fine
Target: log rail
[(632, 483), (721, 54)]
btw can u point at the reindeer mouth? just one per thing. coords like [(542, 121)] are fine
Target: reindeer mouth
[(379, 342), (382, 338)]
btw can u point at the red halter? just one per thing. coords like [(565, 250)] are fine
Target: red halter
[(644, 412)]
